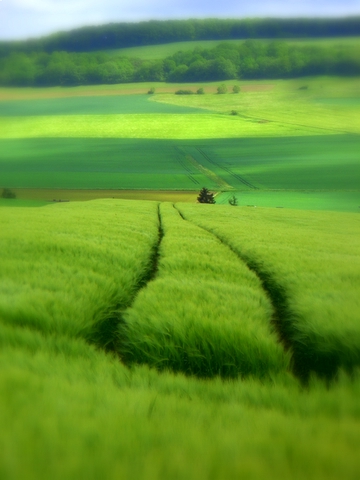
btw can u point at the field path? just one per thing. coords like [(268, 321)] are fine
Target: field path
[(201, 311), (276, 298)]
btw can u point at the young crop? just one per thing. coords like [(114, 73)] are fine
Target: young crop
[(205, 312), (69, 269), (310, 272), (60, 395)]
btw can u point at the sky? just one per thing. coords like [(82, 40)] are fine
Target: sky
[(21, 19)]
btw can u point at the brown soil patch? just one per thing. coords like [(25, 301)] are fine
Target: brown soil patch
[(71, 195)]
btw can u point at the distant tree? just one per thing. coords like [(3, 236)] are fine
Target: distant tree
[(7, 193), (200, 91), (233, 201), (205, 196), (236, 89), (222, 88)]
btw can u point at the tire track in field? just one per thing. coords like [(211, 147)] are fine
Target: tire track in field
[(220, 182), (306, 356), (226, 169), (284, 122), (189, 174), (282, 317), (105, 333)]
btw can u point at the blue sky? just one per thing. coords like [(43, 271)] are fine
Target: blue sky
[(29, 18)]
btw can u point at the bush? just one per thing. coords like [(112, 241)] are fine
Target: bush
[(222, 89), (234, 112), (236, 89), (151, 91), (7, 193), (205, 196), (233, 201), (200, 91), (184, 92)]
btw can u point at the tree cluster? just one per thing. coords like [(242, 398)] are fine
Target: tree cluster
[(254, 59), (251, 59), (7, 193), (205, 196), (154, 32)]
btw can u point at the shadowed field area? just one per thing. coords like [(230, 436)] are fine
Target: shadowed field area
[(316, 162)]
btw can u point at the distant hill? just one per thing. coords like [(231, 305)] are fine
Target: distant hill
[(86, 56), (155, 32)]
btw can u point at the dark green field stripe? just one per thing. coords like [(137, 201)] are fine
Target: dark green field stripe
[(227, 170), (91, 105)]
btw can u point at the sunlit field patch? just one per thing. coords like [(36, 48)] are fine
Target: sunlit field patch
[(157, 126)]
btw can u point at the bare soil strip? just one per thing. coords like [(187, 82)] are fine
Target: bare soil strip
[(66, 195)]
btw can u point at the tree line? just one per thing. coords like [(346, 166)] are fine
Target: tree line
[(251, 59), (120, 35)]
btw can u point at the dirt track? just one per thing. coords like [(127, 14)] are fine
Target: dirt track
[(65, 195)]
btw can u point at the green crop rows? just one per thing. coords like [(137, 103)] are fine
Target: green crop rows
[(94, 294), (205, 314), (317, 306)]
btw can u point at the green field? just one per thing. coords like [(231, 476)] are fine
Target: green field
[(90, 105), (121, 320), (290, 260), (295, 172), (112, 138)]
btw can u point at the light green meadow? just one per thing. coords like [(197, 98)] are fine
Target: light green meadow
[(321, 106), (155, 126)]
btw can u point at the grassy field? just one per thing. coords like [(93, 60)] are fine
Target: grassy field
[(204, 314), (32, 93), (290, 260), (302, 200), (320, 103), (46, 243), (115, 274), (91, 105)]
